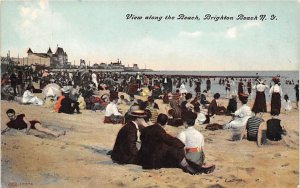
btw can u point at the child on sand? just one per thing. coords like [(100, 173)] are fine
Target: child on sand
[(19, 122), (286, 103)]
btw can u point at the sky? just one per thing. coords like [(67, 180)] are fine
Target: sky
[(99, 31)]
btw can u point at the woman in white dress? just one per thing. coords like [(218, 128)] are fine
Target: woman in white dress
[(286, 103), (241, 116)]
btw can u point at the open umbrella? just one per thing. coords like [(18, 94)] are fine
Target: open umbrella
[(52, 90)]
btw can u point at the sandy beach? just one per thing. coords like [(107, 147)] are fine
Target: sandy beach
[(79, 158)]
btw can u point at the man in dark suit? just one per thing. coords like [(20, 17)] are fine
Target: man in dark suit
[(127, 143), (160, 149)]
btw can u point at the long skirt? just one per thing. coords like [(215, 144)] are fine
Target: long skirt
[(260, 103), (275, 104)]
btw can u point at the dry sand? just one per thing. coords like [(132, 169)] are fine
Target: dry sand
[(79, 158)]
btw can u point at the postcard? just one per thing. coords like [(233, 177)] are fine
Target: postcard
[(149, 93)]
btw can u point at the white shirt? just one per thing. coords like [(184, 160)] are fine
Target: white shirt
[(261, 87), (242, 116), (191, 138), (276, 89), (182, 89), (138, 141), (243, 111), (112, 109)]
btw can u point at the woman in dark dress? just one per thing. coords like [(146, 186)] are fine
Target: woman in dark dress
[(276, 93), (260, 104)]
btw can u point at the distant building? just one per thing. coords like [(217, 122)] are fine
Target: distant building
[(58, 59), (95, 66), (115, 65), (133, 68), (103, 66)]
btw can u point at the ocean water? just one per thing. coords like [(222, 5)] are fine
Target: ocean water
[(215, 87)]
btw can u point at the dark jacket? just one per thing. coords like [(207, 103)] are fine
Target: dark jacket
[(125, 150), (232, 106), (159, 149), (66, 106), (212, 108)]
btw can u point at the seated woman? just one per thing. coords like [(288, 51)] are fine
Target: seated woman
[(286, 103), (202, 118), (57, 104), (214, 108), (194, 144), (241, 116), (112, 114), (203, 101), (19, 122), (68, 106), (232, 104), (29, 98), (187, 105), (174, 114)]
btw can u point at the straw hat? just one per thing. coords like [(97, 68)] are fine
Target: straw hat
[(137, 113)]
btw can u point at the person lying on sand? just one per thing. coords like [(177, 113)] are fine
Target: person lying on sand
[(20, 122)]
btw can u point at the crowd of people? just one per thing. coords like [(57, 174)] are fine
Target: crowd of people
[(142, 139)]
